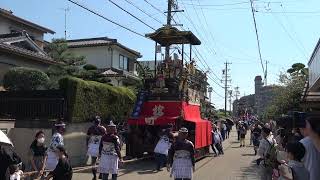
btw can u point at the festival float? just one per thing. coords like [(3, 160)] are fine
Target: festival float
[(170, 98)]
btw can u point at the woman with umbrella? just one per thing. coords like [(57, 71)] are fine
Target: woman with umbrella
[(7, 155)]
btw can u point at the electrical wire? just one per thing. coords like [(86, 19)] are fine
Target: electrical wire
[(105, 18), (217, 5), (128, 1), (132, 15), (257, 37), (289, 35)]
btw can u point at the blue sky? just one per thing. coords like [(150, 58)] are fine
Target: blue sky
[(288, 29)]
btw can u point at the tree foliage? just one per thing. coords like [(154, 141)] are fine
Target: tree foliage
[(69, 62), (21, 78), (288, 94), (58, 50)]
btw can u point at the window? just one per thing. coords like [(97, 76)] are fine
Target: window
[(123, 62)]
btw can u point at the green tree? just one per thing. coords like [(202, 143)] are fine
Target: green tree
[(144, 71), (288, 94), (21, 78), (69, 63)]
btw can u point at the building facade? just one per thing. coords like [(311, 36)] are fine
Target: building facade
[(113, 59), (21, 44)]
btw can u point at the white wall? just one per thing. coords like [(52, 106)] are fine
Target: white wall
[(98, 56), (8, 61), (7, 25), (117, 51), (314, 71)]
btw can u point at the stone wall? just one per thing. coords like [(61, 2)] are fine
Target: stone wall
[(74, 139)]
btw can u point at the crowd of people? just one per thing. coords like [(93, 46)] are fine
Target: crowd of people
[(53, 162), (285, 153)]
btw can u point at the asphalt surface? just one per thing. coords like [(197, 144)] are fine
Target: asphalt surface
[(236, 164)]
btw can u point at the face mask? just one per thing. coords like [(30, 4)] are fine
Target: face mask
[(40, 140)]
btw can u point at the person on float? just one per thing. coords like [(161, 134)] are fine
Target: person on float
[(94, 135), (109, 152), (38, 155), (181, 159), (56, 140)]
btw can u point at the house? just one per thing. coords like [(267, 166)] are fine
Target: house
[(21, 44), (113, 59), (311, 92)]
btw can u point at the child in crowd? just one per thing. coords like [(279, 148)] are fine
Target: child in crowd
[(15, 172), (294, 169)]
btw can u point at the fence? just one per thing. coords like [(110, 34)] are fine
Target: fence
[(40, 104)]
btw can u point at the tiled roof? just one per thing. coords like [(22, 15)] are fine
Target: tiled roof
[(89, 42), (100, 41), (5, 45), (25, 52), (9, 15)]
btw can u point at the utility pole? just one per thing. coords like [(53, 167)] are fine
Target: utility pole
[(167, 55), (230, 100), (266, 74), (237, 92), (226, 86), (65, 22)]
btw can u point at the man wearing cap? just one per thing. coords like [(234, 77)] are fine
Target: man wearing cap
[(109, 152), (181, 157), (94, 135), (56, 140)]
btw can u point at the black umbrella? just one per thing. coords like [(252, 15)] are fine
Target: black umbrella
[(230, 122)]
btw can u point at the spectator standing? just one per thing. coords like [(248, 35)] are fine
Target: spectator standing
[(162, 148), (311, 158), (38, 155), (263, 151), (243, 132), (295, 153), (229, 126), (256, 134), (223, 130), (217, 141), (313, 127)]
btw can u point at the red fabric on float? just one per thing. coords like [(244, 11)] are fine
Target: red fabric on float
[(164, 113), (157, 113), (202, 127)]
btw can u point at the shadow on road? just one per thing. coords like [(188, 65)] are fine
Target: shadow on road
[(143, 167), (250, 172), (248, 155)]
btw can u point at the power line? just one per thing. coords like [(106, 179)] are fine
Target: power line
[(105, 18), (143, 11), (257, 36), (154, 7), (289, 35), (292, 27), (217, 5), (132, 15)]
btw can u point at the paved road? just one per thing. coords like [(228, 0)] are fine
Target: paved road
[(236, 164)]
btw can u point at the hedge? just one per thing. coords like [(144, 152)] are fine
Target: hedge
[(87, 99), (22, 78)]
